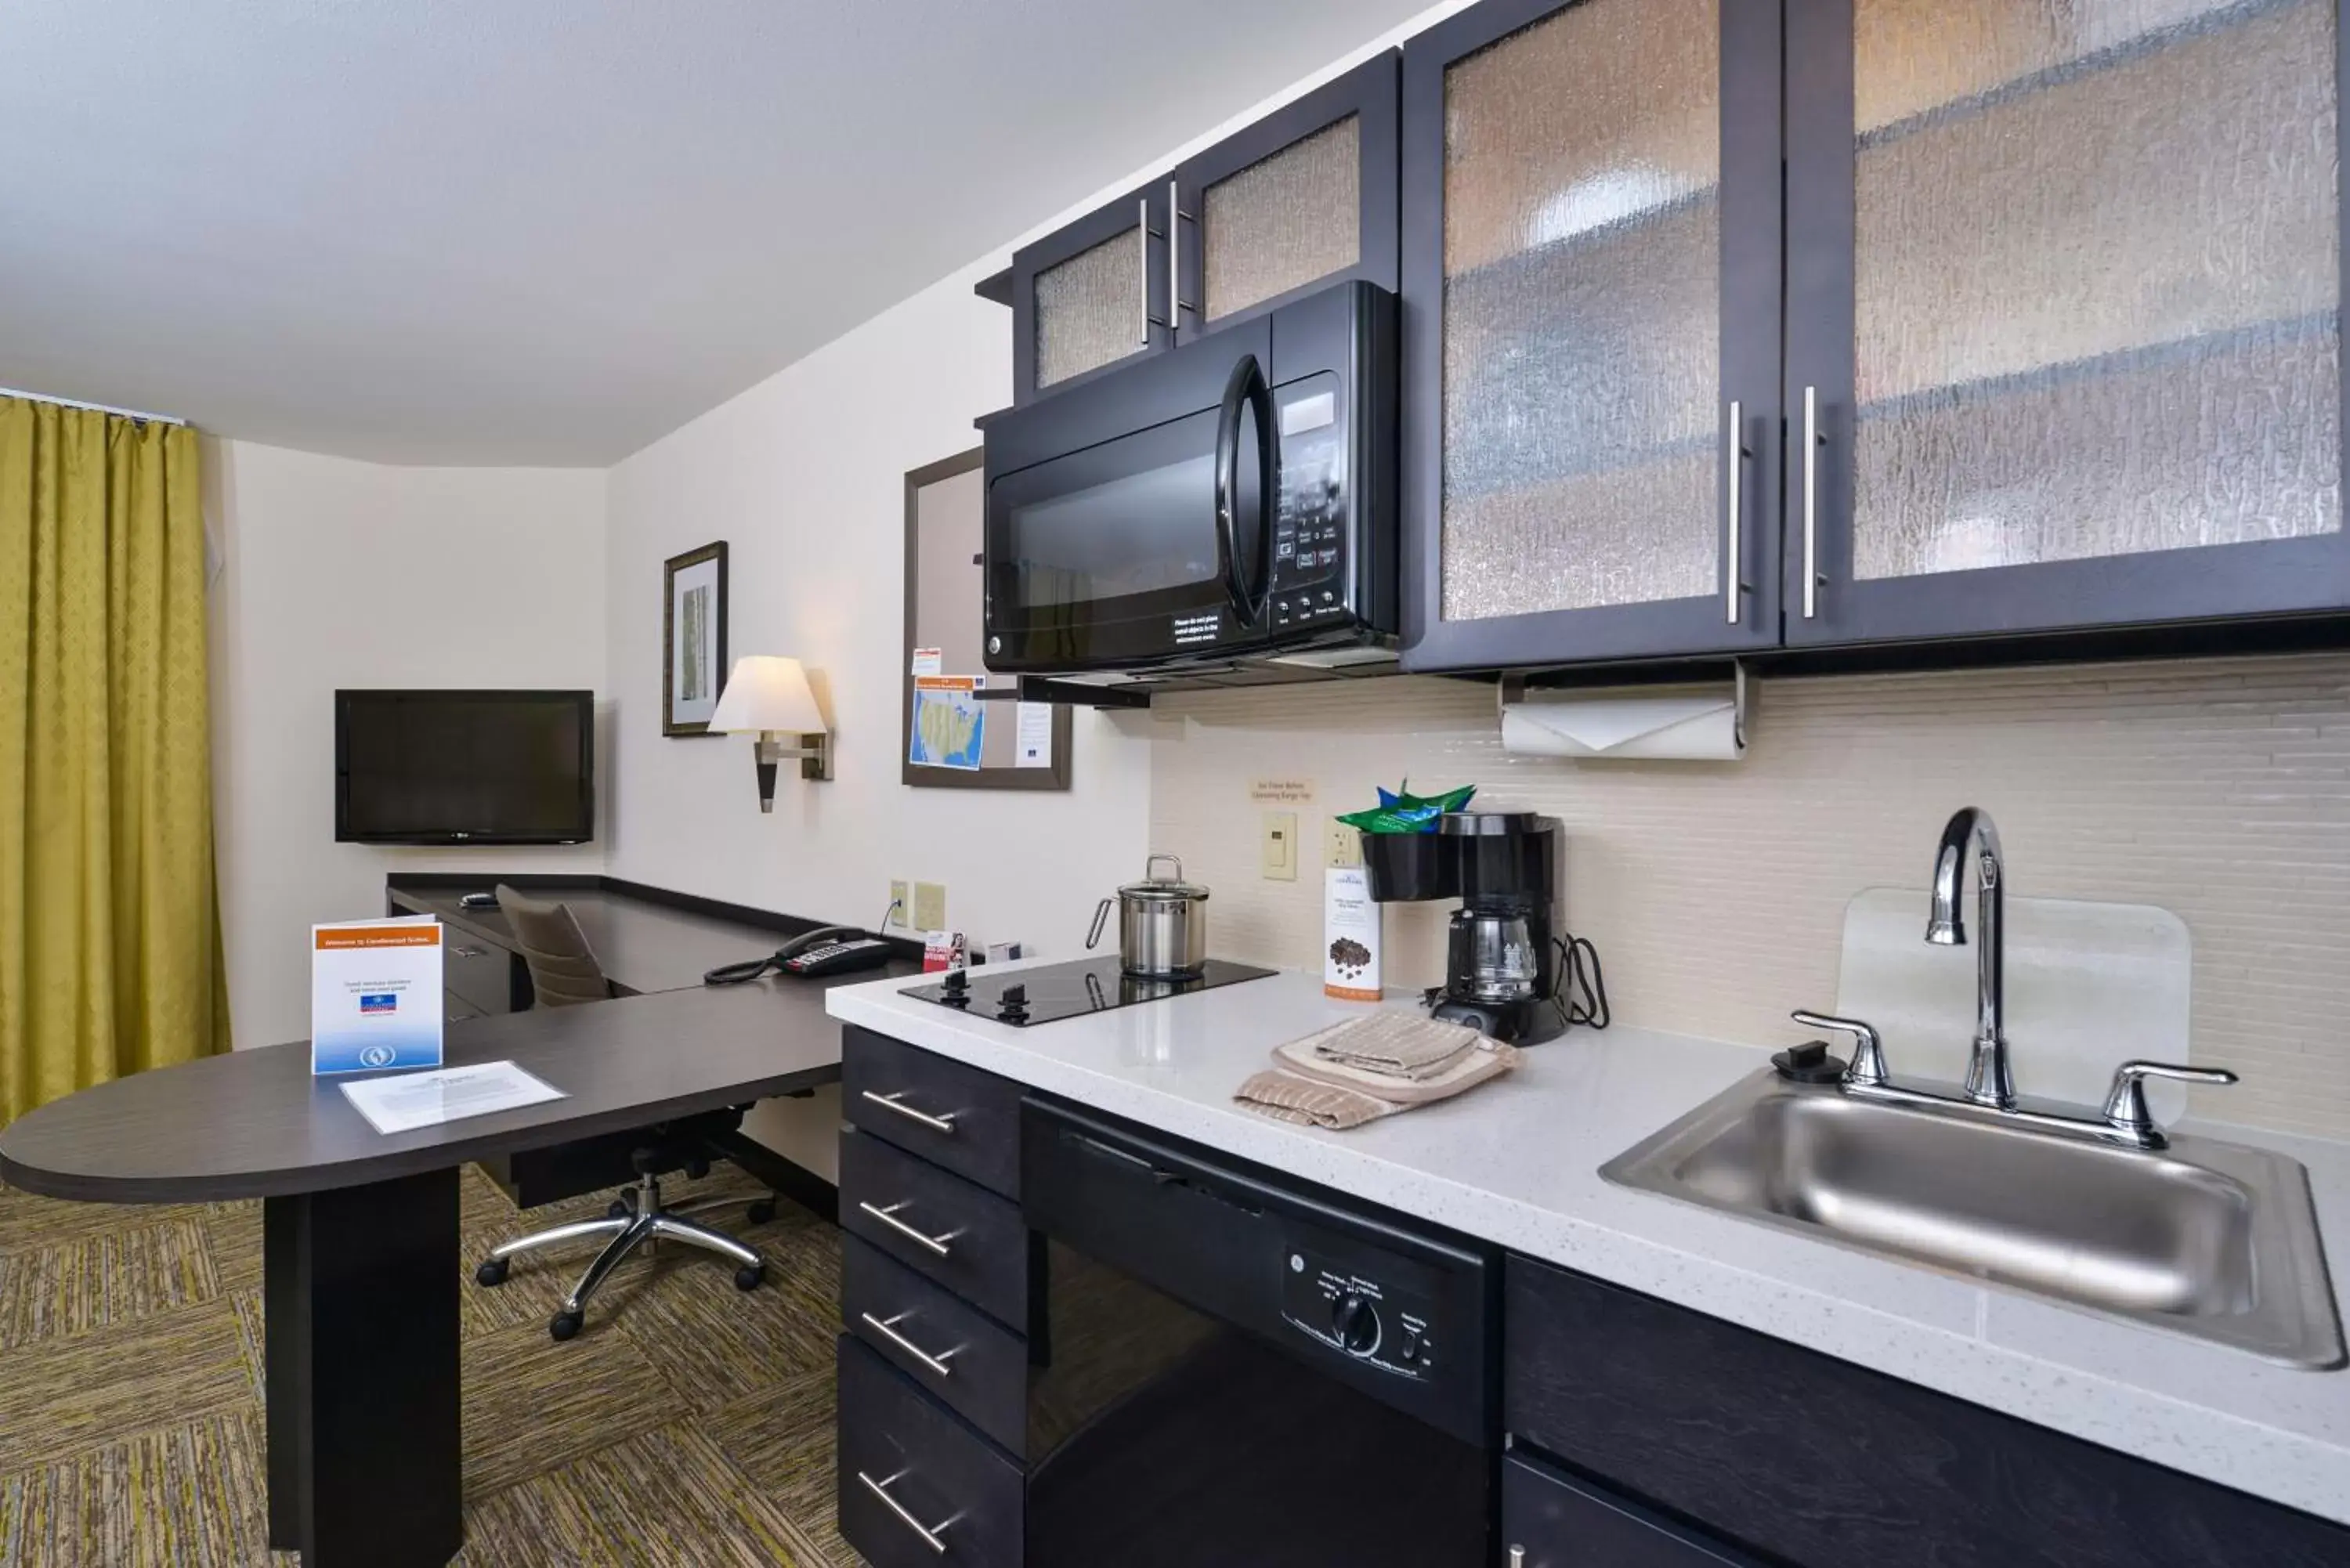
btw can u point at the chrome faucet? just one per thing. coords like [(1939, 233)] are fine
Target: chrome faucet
[(1970, 836)]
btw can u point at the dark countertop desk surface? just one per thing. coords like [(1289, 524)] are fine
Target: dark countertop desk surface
[(256, 1124), (643, 946)]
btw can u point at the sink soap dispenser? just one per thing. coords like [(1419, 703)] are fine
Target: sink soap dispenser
[(1808, 1064)]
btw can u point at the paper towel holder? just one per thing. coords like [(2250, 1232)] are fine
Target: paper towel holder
[(1512, 688)]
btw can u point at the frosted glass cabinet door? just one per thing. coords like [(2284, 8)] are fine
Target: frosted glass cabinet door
[(2065, 287), (1090, 296), (1591, 266), (1304, 199)]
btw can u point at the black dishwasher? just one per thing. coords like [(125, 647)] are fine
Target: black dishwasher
[(1227, 1368)]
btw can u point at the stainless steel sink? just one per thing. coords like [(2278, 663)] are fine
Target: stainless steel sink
[(2206, 1238)]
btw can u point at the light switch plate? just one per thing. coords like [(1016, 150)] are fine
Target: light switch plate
[(901, 907), (929, 906), (1277, 847), (1341, 844)]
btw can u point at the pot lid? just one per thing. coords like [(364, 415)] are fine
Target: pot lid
[(1159, 889)]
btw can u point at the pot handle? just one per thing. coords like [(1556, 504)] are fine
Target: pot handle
[(1101, 917), (1175, 860)]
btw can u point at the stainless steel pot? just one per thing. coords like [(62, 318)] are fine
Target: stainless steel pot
[(1163, 924)]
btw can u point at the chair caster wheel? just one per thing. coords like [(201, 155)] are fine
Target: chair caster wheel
[(491, 1273), (564, 1325), (748, 1276), (762, 1211)]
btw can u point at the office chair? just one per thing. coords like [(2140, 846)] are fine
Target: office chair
[(564, 973)]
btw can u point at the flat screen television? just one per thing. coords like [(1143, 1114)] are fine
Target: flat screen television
[(464, 767)]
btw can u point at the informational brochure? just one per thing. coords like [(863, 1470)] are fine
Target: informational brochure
[(1036, 736), (410, 1100), (375, 995)]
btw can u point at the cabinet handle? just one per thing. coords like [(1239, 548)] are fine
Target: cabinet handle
[(886, 1328), (1733, 592), (457, 950), (936, 1245), (1176, 218), (930, 1533), (896, 1101), (1812, 439), (1517, 1557)]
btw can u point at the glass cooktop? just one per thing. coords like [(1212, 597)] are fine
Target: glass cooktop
[(1056, 991)]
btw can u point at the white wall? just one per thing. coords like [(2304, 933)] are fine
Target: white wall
[(344, 574)]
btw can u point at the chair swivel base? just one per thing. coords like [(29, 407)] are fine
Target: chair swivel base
[(633, 1222)]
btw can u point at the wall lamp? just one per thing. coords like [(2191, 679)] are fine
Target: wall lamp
[(769, 696)]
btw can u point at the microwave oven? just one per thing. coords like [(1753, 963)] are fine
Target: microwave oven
[(1227, 505)]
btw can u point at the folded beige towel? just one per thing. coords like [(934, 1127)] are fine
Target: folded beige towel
[(1394, 1043), (1305, 1086)]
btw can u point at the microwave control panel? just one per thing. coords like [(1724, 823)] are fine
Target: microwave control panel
[(1310, 544)]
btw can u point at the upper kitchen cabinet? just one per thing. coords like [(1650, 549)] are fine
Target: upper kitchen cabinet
[(1591, 272), (2064, 342), (1304, 198), (1090, 295)]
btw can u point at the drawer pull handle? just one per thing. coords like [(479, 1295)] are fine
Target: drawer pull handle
[(930, 1533), (887, 1327), (458, 951), (936, 1245), (896, 1101), (1517, 1557)]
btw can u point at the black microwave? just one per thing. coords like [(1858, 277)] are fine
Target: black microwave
[(1226, 503)]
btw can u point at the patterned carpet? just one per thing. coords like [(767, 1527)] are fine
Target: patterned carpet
[(689, 1425)]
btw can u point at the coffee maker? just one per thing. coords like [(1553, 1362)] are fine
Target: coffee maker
[(1502, 952)]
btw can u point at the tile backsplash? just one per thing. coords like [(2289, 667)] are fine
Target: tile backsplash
[(2219, 789)]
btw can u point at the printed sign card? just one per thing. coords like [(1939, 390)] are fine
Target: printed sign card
[(375, 995)]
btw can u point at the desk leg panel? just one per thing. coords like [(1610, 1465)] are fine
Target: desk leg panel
[(364, 1469)]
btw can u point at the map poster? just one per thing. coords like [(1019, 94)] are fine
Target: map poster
[(950, 722)]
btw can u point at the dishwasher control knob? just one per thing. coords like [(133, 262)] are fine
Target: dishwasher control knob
[(1356, 1323)]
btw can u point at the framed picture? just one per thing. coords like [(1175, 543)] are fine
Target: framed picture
[(693, 638)]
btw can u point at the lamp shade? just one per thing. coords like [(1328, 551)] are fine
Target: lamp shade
[(767, 693)]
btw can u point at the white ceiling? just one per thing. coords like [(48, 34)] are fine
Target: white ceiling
[(549, 232)]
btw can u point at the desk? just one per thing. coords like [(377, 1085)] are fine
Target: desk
[(360, 1229)]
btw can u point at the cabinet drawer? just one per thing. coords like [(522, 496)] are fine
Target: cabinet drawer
[(964, 1237), (951, 1350), (951, 1114), (917, 1487), (1551, 1521), (1813, 1459), (480, 974), (455, 1009)]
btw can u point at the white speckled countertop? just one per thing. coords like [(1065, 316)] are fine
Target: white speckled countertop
[(1516, 1162)]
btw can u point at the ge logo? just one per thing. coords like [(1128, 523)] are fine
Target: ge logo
[(377, 1056)]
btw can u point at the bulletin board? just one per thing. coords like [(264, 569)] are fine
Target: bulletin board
[(960, 731)]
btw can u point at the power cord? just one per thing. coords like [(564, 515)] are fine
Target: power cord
[(1582, 989)]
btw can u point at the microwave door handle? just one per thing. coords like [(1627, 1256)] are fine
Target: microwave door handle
[(1246, 385)]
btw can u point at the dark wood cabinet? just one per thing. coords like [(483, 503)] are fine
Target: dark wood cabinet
[(964, 1237), (1809, 1459), (1551, 1519), (954, 1115), (1591, 266), (2063, 341), (1305, 197), (917, 1487)]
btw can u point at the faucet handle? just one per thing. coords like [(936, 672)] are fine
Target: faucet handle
[(1867, 1051), (2126, 1110)]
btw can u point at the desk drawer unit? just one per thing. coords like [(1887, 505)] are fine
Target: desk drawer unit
[(917, 1486), (951, 1114), (476, 972), (949, 1349), (964, 1237)]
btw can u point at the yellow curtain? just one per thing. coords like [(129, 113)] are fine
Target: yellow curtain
[(110, 928)]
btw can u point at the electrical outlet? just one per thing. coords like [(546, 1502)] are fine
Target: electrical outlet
[(1277, 847), (1341, 844), (929, 906), (900, 908)]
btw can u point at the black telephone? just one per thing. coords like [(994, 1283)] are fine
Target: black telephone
[(828, 949)]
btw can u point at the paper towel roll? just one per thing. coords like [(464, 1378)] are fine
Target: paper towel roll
[(1687, 729)]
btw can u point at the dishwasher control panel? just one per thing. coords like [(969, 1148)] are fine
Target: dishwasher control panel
[(1376, 1322)]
